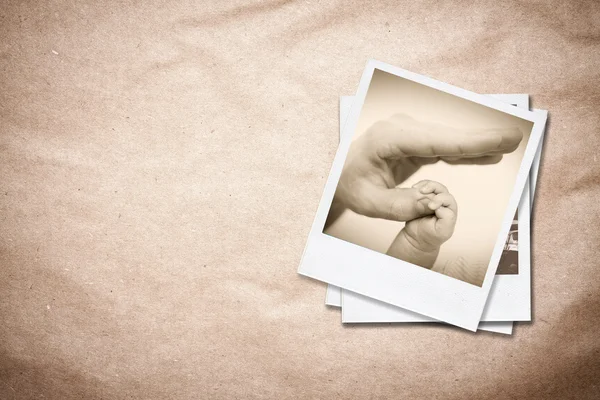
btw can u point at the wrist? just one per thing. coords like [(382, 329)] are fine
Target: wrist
[(406, 248), (420, 245)]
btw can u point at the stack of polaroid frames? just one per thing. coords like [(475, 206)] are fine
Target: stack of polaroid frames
[(425, 216)]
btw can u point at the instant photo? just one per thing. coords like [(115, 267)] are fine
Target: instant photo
[(507, 286), (449, 163)]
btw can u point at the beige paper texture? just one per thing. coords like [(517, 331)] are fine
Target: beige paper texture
[(160, 168)]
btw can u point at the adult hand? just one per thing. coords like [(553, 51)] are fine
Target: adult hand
[(390, 151)]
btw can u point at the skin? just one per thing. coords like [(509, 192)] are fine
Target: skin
[(392, 150), (420, 240)]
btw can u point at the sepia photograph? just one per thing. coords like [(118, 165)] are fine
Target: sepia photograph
[(422, 194)]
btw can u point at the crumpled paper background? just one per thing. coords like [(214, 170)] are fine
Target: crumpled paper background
[(161, 164)]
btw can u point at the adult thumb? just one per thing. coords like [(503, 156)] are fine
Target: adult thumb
[(397, 204)]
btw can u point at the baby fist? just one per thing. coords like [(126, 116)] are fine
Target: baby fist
[(431, 231)]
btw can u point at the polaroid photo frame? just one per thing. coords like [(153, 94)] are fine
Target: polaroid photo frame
[(365, 312), (393, 281), (334, 294), (510, 295)]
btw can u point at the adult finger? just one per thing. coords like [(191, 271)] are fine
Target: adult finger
[(392, 140), (476, 160), (398, 204)]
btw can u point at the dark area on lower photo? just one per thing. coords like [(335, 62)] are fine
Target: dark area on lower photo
[(509, 261)]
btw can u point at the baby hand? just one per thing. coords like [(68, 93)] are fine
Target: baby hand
[(420, 240), (429, 232)]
